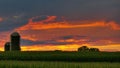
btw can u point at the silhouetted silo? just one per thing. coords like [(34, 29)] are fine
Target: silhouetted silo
[(7, 46), (15, 42)]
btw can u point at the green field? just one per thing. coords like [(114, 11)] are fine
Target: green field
[(54, 64), (59, 59), (62, 56)]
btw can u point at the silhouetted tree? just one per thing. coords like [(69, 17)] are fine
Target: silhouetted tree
[(86, 49), (83, 49), (58, 50), (94, 50)]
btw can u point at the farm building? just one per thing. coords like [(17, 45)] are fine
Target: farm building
[(14, 45)]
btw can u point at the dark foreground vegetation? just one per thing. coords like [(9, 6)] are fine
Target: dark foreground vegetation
[(51, 64), (61, 56)]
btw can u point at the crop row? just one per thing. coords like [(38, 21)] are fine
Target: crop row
[(62, 56)]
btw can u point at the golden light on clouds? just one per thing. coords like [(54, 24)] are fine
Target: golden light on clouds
[(72, 47), (61, 25), (39, 25), (51, 34)]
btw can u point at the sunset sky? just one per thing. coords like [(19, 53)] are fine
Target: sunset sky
[(61, 24)]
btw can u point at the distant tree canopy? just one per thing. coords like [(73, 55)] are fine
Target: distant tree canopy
[(58, 50), (94, 49), (83, 49), (86, 49)]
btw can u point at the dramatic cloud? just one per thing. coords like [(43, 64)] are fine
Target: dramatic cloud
[(51, 23), (61, 24), (65, 40), (4, 37)]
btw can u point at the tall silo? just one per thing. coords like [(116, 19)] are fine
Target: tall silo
[(15, 41), (7, 46)]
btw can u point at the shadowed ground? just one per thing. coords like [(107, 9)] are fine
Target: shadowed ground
[(44, 64), (62, 56)]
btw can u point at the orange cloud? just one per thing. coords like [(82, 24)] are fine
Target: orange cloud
[(113, 25), (1, 19), (38, 25), (4, 37), (31, 31), (48, 18)]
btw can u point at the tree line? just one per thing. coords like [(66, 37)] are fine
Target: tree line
[(86, 49)]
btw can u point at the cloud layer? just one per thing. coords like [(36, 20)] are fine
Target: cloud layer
[(61, 24)]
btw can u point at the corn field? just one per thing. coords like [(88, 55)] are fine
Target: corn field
[(62, 56), (55, 64)]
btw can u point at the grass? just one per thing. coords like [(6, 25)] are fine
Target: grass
[(62, 56), (55, 64)]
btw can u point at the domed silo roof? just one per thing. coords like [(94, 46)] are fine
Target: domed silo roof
[(15, 34), (7, 43)]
